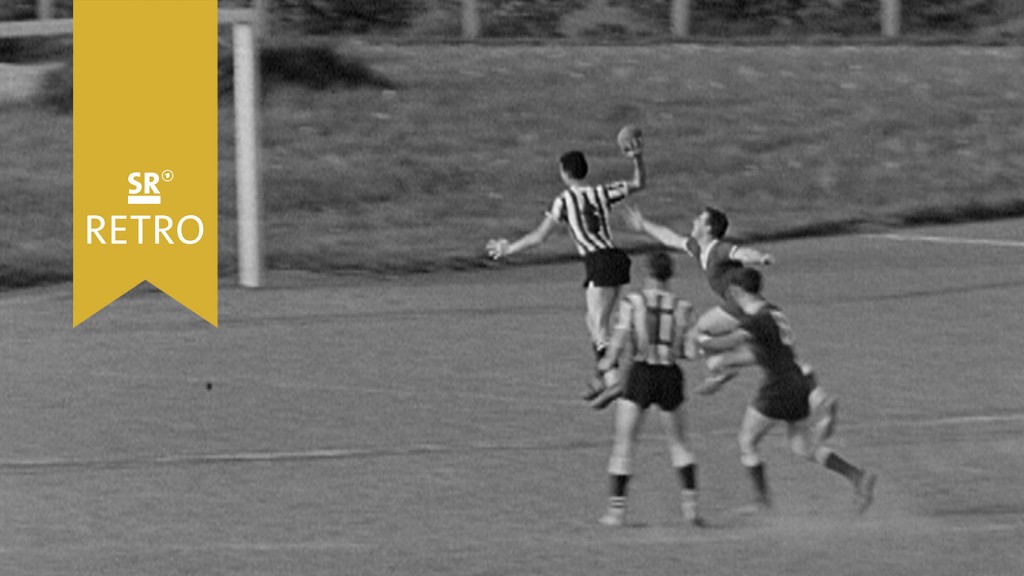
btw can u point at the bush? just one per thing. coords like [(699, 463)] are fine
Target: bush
[(350, 16), (27, 9), (539, 18), (946, 14), (35, 49), (316, 67)]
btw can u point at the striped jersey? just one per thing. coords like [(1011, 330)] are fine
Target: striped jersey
[(656, 322), (586, 210)]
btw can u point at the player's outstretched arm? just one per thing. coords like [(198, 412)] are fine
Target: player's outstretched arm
[(660, 233), (725, 342), (500, 247), (753, 256)]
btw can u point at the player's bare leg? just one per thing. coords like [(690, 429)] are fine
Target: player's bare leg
[(825, 407), (683, 461), (803, 444), (628, 419), (600, 305), (753, 429)]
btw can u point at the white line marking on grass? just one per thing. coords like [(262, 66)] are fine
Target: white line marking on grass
[(981, 419), (948, 240), (30, 465)]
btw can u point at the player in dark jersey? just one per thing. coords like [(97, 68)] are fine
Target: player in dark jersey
[(585, 209), (652, 325), (784, 394), (716, 257)]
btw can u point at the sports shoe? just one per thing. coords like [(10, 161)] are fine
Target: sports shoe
[(865, 491), (613, 517), (825, 427), (605, 397)]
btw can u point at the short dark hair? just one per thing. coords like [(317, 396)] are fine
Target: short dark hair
[(660, 264), (718, 221), (575, 164), (749, 279)]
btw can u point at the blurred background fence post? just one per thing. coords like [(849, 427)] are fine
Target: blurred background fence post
[(470, 19), (680, 18), (247, 148), (890, 18)]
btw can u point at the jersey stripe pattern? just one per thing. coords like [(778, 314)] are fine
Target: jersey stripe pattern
[(586, 210), (656, 320)]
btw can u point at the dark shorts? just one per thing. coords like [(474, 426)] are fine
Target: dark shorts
[(786, 398), (606, 268), (661, 385)]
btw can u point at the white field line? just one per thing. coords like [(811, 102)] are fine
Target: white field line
[(948, 240), (419, 449)]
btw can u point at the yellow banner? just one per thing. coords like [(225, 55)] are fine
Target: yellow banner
[(145, 152)]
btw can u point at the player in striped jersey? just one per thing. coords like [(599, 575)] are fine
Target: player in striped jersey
[(586, 209), (786, 392), (716, 257), (652, 324)]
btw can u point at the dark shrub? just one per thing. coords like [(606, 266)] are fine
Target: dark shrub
[(315, 67)]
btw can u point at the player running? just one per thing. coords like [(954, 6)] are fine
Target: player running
[(653, 324), (785, 394), (585, 208), (717, 257)]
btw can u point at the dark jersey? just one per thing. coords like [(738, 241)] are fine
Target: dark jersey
[(772, 342), (783, 395), (717, 260)]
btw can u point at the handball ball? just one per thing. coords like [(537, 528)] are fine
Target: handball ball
[(629, 139)]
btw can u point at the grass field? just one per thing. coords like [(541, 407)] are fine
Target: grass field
[(429, 425), (418, 178)]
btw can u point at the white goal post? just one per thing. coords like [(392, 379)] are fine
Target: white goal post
[(245, 25)]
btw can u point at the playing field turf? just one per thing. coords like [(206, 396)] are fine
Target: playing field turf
[(430, 425)]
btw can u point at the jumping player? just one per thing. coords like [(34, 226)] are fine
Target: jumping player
[(717, 257), (653, 322), (785, 394), (585, 209)]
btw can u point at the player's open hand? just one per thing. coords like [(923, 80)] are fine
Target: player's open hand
[(767, 260), (497, 249), (634, 219)]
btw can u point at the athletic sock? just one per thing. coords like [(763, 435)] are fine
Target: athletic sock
[(836, 463), (688, 477), (618, 486), (760, 482)]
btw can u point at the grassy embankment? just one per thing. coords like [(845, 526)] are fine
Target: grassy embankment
[(786, 139)]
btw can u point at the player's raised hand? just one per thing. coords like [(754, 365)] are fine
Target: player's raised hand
[(630, 140), (767, 260), (634, 219), (497, 249)]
